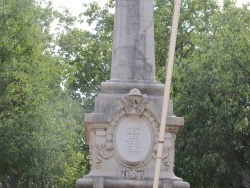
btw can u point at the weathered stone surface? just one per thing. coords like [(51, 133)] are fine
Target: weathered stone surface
[(122, 132), (133, 56)]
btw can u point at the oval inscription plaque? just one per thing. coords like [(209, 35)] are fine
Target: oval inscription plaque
[(133, 139)]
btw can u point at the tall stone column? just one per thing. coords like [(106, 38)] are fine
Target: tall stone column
[(122, 132), (133, 57)]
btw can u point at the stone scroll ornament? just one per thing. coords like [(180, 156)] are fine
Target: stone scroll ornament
[(166, 153), (105, 151)]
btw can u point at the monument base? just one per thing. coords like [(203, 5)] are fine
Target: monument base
[(122, 134), (101, 182)]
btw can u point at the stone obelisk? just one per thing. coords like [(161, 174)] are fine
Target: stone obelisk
[(133, 57), (122, 132)]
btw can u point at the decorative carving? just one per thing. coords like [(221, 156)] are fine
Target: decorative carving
[(134, 102), (109, 140), (165, 154), (91, 154), (166, 157), (134, 174), (99, 157), (103, 154), (105, 151), (151, 118), (118, 117)]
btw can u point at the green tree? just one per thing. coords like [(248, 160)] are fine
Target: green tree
[(212, 92), (40, 125), (61, 157), (23, 83), (194, 21), (88, 54)]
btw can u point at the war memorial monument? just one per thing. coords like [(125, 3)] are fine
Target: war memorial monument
[(122, 132)]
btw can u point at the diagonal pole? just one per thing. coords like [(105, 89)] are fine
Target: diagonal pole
[(171, 54)]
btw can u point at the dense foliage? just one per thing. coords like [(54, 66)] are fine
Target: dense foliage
[(88, 53), (41, 125), (213, 94)]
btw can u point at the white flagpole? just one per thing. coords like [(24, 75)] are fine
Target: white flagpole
[(171, 54)]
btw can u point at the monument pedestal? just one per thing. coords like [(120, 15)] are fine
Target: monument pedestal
[(122, 134)]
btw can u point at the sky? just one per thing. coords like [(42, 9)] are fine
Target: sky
[(76, 5)]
